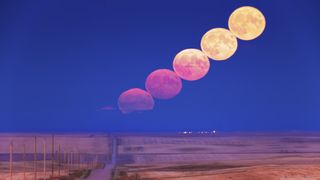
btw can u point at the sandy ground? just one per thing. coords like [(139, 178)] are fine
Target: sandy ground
[(237, 156), (265, 172), (28, 175), (100, 174), (292, 156)]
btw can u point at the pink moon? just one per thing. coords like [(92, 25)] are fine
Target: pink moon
[(163, 84), (191, 64), (135, 99)]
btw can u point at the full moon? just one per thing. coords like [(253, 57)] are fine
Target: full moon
[(219, 44), (135, 100), (163, 84), (247, 23), (191, 64)]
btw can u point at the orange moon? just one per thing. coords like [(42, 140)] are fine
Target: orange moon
[(191, 64), (219, 44), (135, 99), (163, 84), (247, 23)]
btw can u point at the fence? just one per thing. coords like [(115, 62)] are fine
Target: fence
[(44, 157)]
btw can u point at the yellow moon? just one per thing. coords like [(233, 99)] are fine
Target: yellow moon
[(247, 23), (191, 64), (219, 44)]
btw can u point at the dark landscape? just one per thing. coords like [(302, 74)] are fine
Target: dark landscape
[(242, 156)]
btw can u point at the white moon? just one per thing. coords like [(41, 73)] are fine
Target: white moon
[(247, 23), (219, 44), (191, 64)]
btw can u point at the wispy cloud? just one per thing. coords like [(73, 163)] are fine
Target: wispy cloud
[(107, 108)]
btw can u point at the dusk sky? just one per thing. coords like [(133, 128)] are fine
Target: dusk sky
[(62, 61)]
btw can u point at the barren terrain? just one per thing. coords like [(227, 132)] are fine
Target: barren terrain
[(242, 156)]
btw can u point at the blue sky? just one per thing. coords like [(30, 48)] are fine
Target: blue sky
[(60, 61)]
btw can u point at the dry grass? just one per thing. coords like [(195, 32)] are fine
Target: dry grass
[(237, 157)]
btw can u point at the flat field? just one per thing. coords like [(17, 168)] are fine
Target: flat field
[(240, 156), (219, 156)]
